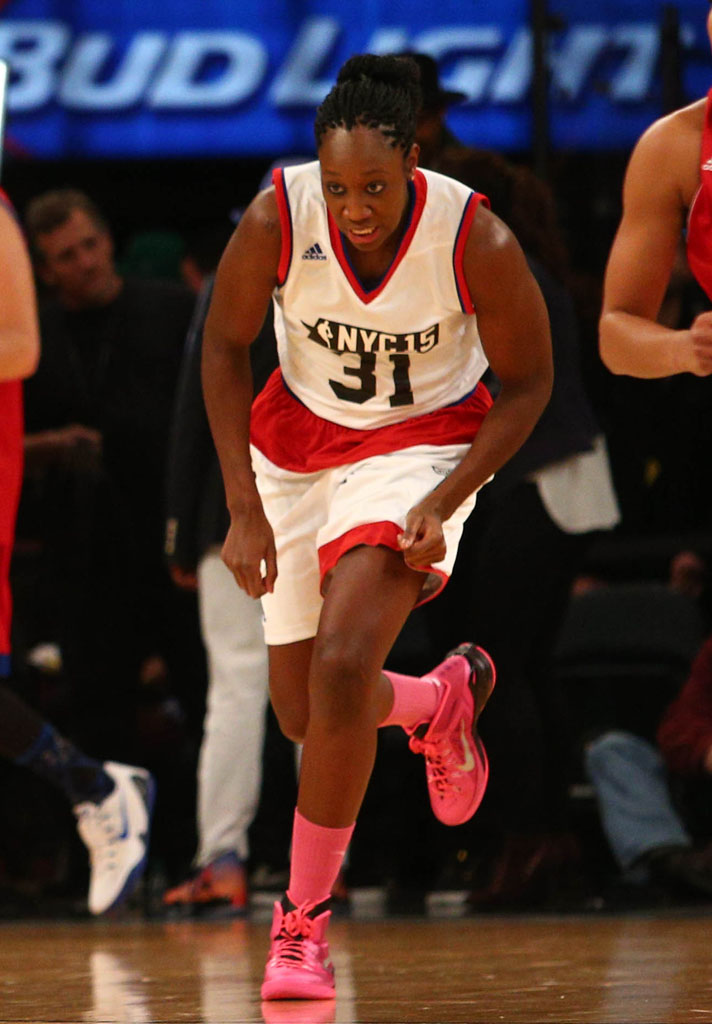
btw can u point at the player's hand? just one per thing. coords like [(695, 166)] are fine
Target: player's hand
[(422, 541), (700, 336), (249, 546)]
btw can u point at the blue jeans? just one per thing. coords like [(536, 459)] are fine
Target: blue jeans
[(637, 813)]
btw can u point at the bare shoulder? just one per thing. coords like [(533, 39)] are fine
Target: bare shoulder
[(262, 215), (489, 236), (12, 240), (494, 264), (491, 246), (8, 223), (257, 239), (667, 153), (689, 119)]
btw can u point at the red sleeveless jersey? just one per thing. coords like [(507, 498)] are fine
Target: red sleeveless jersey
[(11, 429), (699, 222)]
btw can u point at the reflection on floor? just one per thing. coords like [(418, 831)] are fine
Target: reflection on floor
[(595, 969)]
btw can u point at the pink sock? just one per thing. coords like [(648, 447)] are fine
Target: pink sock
[(414, 700), (317, 855)]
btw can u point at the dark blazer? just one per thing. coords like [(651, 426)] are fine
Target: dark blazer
[(196, 514), (568, 424)]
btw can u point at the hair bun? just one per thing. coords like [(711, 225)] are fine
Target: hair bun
[(397, 72), (380, 92)]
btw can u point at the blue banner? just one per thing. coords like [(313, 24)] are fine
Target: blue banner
[(123, 78)]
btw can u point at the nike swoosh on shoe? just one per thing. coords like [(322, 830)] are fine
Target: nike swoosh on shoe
[(469, 762), (124, 819)]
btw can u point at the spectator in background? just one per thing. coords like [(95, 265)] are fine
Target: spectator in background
[(98, 416), (112, 802), (203, 247), (230, 767), (432, 133), (667, 197), (520, 556), (661, 475), (655, 799), (685, 733), (153, 255), (645, 828)]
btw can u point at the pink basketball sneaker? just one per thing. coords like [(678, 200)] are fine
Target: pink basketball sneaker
[(298, 966), (309, 1011), (456, 764)]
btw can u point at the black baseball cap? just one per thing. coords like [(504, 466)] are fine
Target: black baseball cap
[(434, 96)]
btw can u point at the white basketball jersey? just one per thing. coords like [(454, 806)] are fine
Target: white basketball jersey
[(410, 345)]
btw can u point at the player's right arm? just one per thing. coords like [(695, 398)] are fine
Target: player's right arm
[(659, 183), (19, 331), (246, 276)]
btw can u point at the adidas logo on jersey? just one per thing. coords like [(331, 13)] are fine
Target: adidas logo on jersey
[(707, 165), (314, 252)]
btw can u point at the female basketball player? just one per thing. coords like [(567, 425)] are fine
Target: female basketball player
[(367, 447), (669, 178)]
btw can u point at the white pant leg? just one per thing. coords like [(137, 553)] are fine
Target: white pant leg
[(230, 764)]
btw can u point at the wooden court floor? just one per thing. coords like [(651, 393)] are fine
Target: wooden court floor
[(479, 970)]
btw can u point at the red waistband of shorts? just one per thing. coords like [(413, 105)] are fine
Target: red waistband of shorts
[(293, 437)]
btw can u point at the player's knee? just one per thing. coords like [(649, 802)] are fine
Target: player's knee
[(343, 677)]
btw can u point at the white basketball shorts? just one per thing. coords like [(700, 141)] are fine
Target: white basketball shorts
[(317, 517)]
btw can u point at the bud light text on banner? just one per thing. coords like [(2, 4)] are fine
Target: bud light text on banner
[(210, 77)]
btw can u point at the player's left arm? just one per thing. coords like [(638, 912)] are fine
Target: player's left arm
[(514, 327)]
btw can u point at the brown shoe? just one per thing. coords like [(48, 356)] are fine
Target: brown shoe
[(529, 871), (685, 870), (220, 885)]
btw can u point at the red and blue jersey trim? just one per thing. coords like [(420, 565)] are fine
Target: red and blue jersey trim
[(420, 186), (285, 223), (458, 252)]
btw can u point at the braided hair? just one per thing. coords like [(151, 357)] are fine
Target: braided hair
[(376, 92)]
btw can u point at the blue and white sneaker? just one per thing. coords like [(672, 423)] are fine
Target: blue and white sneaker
[(116, 833)]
